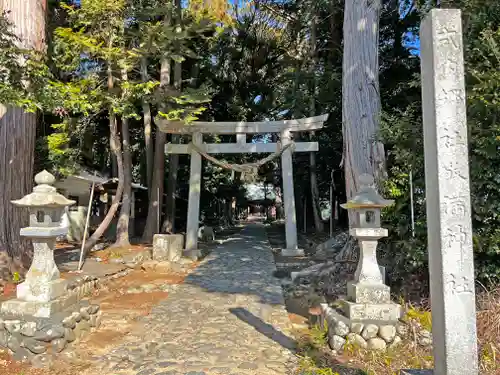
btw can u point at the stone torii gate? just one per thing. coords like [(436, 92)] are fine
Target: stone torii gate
[(241, 129)]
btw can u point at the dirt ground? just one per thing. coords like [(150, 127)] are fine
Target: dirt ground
[(121, 313), (121, 310)]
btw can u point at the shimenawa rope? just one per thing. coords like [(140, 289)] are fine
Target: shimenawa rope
[(249, 171)]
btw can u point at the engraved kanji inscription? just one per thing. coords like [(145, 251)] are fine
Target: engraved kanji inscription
[(449, 62), (455, 206), (448, 35), (460, 284), (451, 94), (451, 138), (448, 200), (456, 234), (448, 67), (454, 171), (457, 240)]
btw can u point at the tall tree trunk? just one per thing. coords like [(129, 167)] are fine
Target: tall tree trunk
[(318, 222), (361, 95), (122, 229), (236, 181), (148, 128), (360, 113), (157, 186), (17, 144), (279, 203), (115, 147), (156, 195), (114, 165), (173, 166)]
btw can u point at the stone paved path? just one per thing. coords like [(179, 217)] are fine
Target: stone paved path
[(227, 318)]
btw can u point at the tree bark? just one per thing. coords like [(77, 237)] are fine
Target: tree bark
[(313, 178), (17, 145), (360, 123), (115, 147), (173, 166), (279, 203), (157, 187), (233, 212), (169, 224), (148, 128), (156, 200), (360, 95), (122, 229), (114, 165)]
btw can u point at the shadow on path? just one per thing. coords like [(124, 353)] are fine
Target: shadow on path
[(319, 355), (264, 328)]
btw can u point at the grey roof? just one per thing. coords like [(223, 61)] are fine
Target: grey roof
[(367, 195), (101, 179)]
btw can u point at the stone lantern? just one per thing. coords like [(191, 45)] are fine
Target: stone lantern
[(43, 285), (368, 296)]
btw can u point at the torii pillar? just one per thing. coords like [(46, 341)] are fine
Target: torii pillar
[(289, 199), (193, 215)]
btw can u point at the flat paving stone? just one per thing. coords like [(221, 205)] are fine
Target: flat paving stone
[(228, 317)]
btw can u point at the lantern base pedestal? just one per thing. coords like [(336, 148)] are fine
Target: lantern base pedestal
[(39, 335), (371, 311), (292, 252), (33, 291), (368, 293), (21, 308)]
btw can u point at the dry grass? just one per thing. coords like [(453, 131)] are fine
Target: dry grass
[(406, 356), (315, 357), (318, 359), (488, 331)]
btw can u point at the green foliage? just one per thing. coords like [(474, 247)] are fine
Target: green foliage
[(187, 107), (307, 366), (259, 67), (402, 134), (312, 360), (319, 335), (424, 318), (61, 154), (97, 54), (23, 72), (15, 277), (484, 111)]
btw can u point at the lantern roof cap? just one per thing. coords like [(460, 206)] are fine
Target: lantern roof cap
[(44, 194), (367, 196)]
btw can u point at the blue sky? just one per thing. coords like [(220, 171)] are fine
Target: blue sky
[(413, 41)]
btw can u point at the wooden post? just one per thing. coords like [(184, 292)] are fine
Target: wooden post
[(89, 209)]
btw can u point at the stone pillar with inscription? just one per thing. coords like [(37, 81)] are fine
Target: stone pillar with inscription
[(449, 222)]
